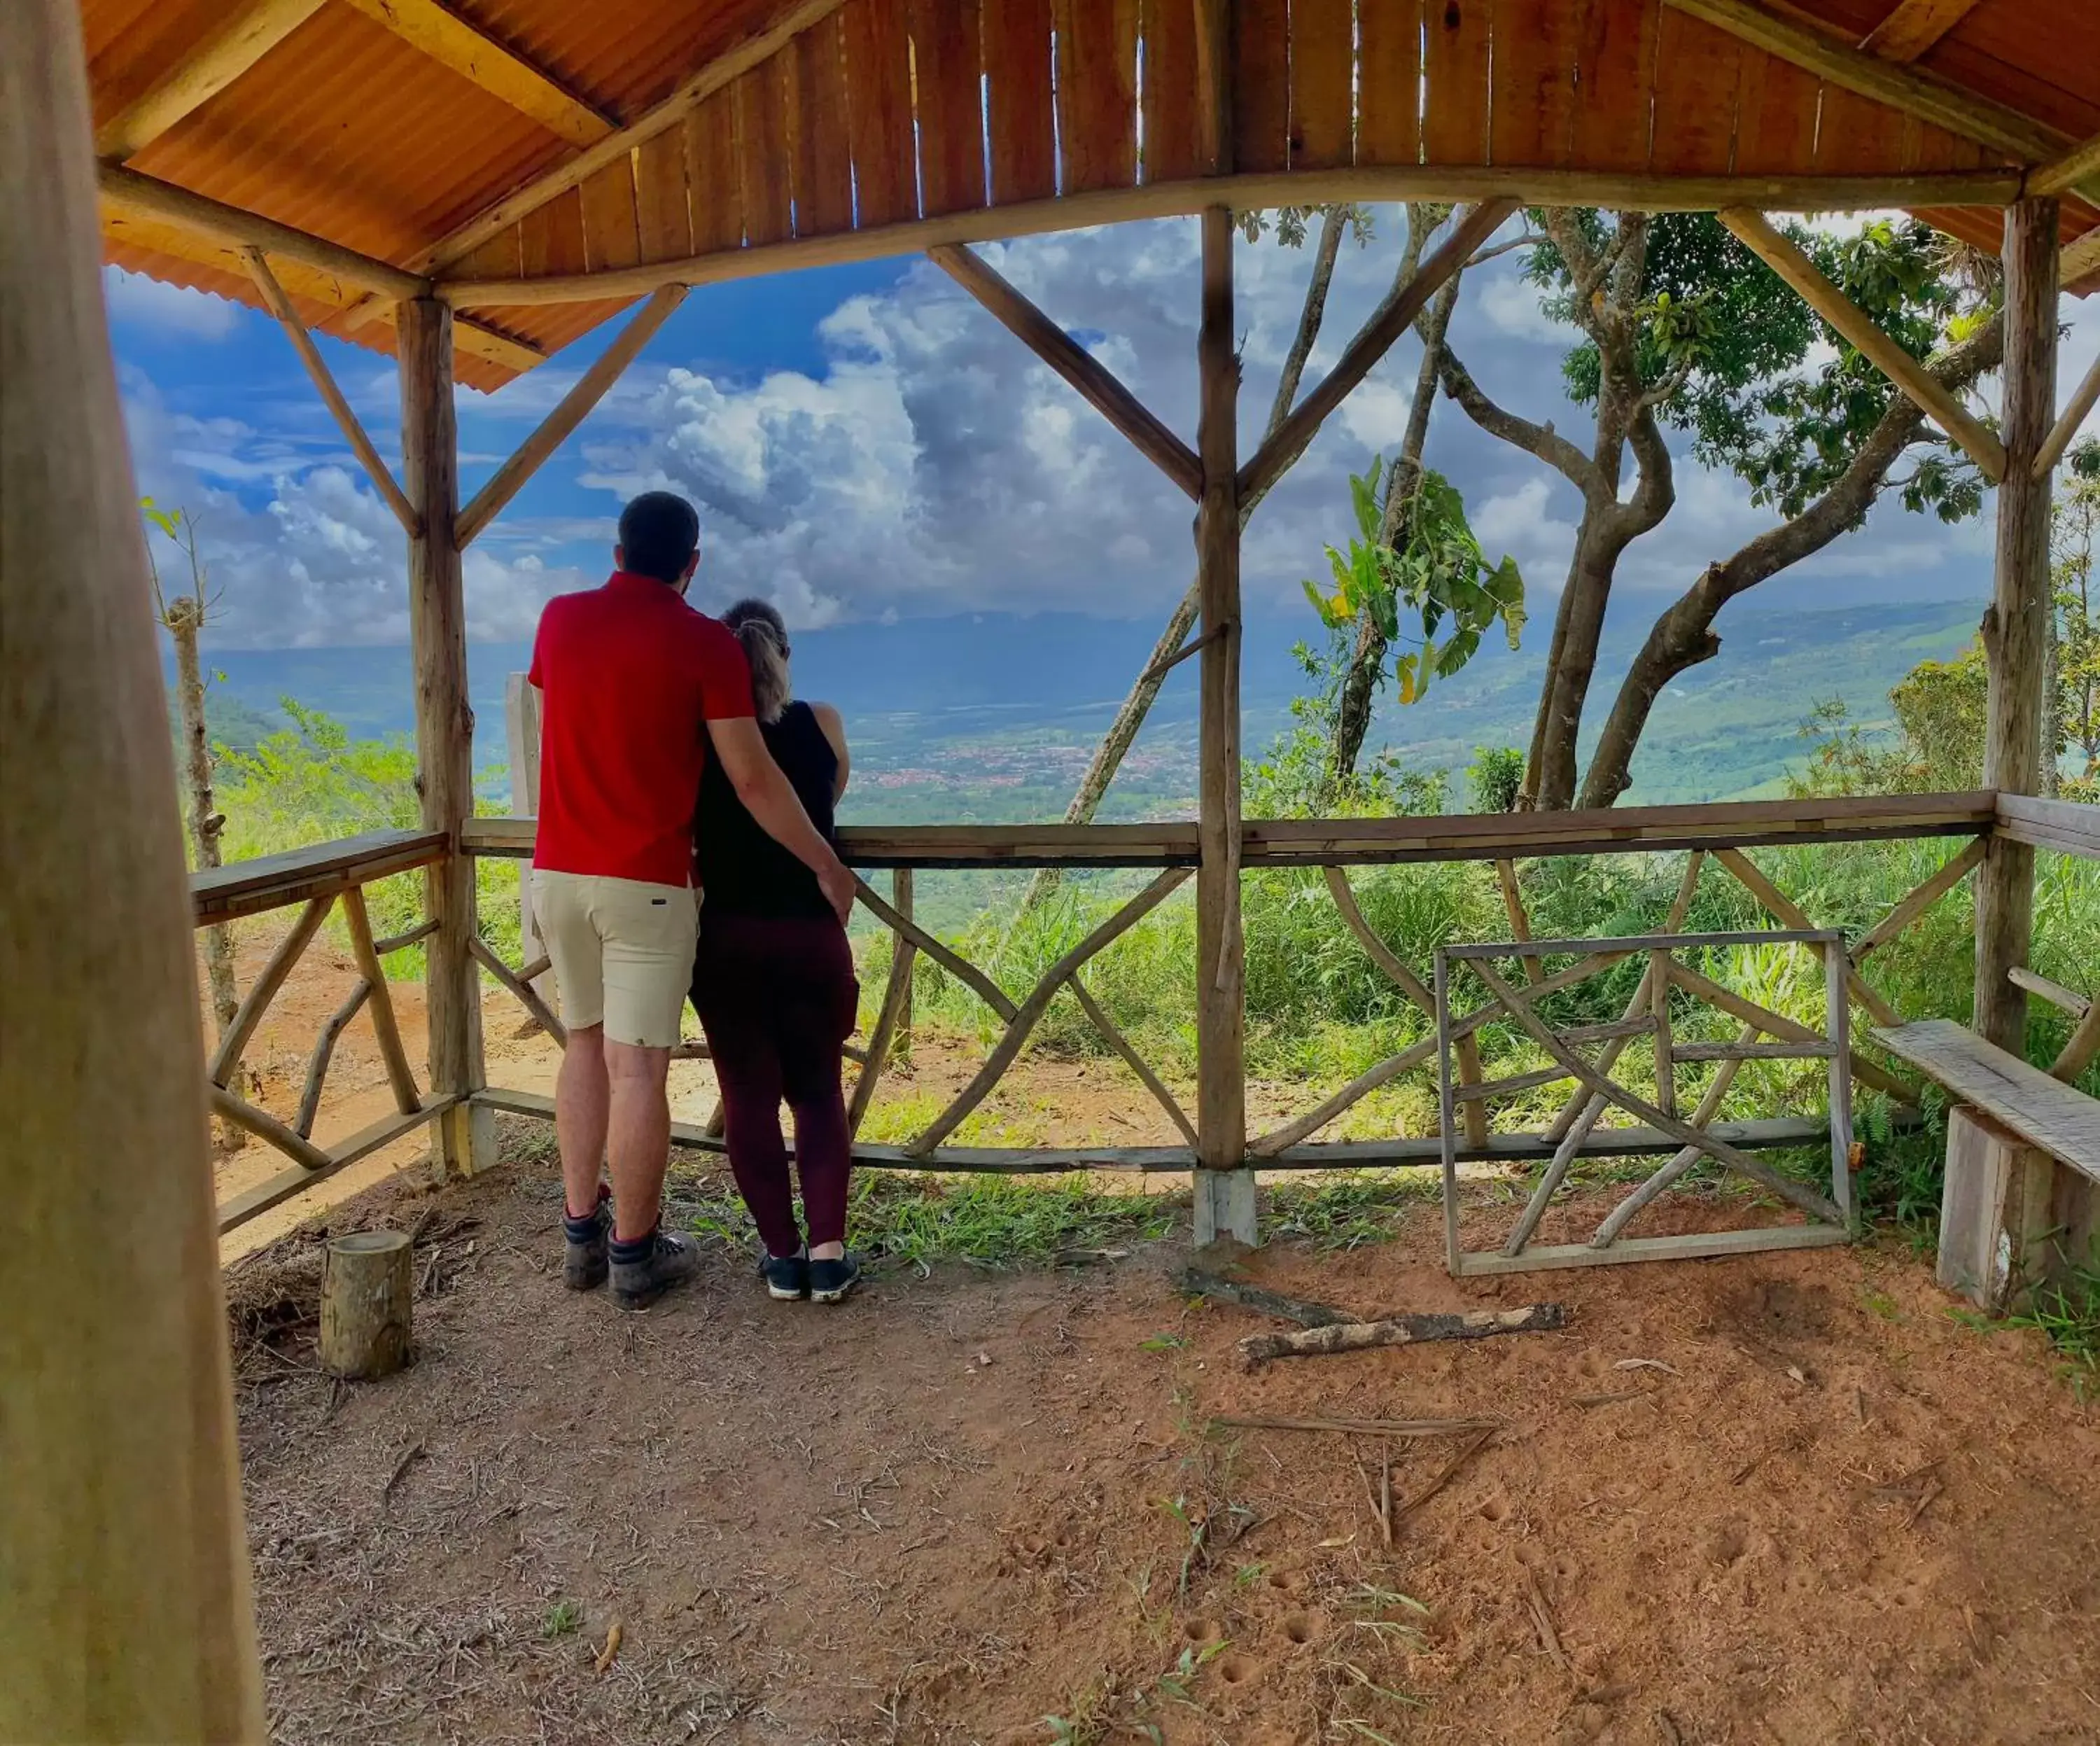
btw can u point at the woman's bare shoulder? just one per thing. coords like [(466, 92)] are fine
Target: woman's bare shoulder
[(829, 717)]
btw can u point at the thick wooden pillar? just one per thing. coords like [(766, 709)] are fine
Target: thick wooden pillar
[(1225, 1188), (125, 1611), (2016, 627), (2013, 1185), (461, 1139)]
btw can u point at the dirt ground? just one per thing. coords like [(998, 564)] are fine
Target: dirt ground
[(1776, 1499)]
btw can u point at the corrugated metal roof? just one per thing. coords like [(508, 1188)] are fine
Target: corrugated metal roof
[(346, 132)]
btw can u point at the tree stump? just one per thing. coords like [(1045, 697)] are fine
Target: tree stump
[(367, 1294)]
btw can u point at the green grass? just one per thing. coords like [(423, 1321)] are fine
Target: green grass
[(2069, 1314)]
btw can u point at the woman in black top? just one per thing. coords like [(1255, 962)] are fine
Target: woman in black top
[(773, 982)]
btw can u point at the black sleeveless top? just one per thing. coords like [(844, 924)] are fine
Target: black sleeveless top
[(742, 870)]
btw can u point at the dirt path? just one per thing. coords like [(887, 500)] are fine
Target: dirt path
[(1783, 1498)]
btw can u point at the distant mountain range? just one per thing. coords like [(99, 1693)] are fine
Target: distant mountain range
[(992, 715)]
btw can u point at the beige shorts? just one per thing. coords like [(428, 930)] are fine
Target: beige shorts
[(622, 952)]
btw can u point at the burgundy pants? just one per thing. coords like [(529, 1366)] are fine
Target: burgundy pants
[(777, 997)]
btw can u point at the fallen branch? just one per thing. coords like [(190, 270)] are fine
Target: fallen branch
[(1364, 1427), (1197, 1283), (1403, 1330), (1450, 1471)]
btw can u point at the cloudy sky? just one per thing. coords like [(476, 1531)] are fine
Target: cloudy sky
[(866, 442)]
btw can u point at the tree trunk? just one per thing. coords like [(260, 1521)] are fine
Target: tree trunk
[(1359, 688), (185, 620), (1683, 635)]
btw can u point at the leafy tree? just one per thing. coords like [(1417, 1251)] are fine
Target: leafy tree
[(1941, 709), (2074, 720), (1680, 326), (1495, 778)]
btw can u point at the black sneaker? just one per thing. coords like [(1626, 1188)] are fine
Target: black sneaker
[(671, 1261), (584, 1266), (832, 1281), (787, 1277)]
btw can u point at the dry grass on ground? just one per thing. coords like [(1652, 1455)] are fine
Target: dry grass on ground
[(1785, 1498)]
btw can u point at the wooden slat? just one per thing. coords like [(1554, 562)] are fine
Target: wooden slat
[(1690, 1245), (2069, 1000), (1132, 1059), (1388, 96), (2070, 420), (1016, 58), (1322, 73), (241, 39), (542, 1015), (1776, 105), (323, 1052), (879, 110), (354, 1149), (2067, 826), (272, 882), (1097, 93), (385, 1029), (265, 1126), (2078, 166), (1455, 38), (1697, 74), (1261, 86), (824, 151), (948, 59), (1914, 27), (486, 63), (551, 240), (1173, 146), (764, 179), (665, 227), (714, 192), (1923, 898), (1615, 68), (1531, 107), (2045, 1113), (612, 238), (1861, 134), (1758, 883)]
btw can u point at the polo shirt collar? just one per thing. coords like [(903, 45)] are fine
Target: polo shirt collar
[(631, 582)]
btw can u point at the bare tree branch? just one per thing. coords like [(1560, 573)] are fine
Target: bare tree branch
[(1540, 440)]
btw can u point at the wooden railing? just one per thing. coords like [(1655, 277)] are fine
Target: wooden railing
[(1715, 837), (316, 880)]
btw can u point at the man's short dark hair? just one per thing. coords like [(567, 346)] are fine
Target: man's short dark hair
[(659, 533)]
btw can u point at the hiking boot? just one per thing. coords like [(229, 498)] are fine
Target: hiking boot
[(668, 1261), (787, 1277), (832, 1281), (585, 1265)]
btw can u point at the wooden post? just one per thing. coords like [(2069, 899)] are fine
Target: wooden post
[(521, 733), (2016, 639), (367, 1303), (125, 1610), (462, 1139), (1225, 1187), (901, 898)]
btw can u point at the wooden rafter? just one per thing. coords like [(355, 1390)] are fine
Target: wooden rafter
[(2083, 400), (576, 405), (2081, 258), (1366, 183), (2075, 171), (212, 64), (1915, 27), (1289, 439), (332, 396), (479, 58), (1095, 383), (716, 75), (127, 188), (1909, 89), (1788, 260)]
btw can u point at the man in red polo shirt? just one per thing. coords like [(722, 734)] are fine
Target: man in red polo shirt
[(634, 684)]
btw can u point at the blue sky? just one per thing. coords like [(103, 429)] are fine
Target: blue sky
[(866, 442)]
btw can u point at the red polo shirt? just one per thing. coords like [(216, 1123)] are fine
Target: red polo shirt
[(628, 673)]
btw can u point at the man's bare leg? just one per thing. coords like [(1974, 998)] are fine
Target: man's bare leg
[(638, 1135), (581, 1104)]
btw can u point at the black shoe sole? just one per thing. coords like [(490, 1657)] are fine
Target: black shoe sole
[(837, 1294)]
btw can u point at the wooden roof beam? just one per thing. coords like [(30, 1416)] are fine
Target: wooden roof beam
[(576, 405), (209, 67), (1290, 438), (1915, 27), (232, 224), (332, 396), (1777, 253), (1906, 89), (1164, 200), (1095, 383), (723, 70), (481, 60), (2074, 171), (2081, 257)]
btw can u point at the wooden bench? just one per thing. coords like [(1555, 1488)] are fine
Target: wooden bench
[(2022, 1158)]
